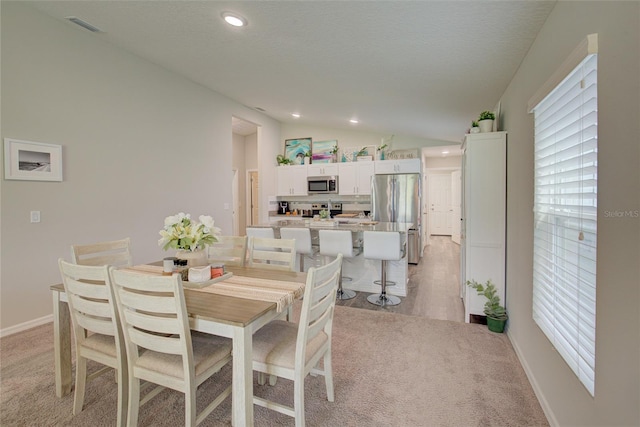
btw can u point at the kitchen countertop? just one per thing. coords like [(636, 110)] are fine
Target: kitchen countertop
[(340, 224)]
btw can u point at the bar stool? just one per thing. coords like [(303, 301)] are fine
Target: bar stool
[(266, 232), (260, 232), (384, 246), (303, 241), (332, 243)]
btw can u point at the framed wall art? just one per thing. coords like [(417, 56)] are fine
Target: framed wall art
[(296, 149), (322, 151), (32, 161)]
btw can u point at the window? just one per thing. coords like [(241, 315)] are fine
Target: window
[(565, 214)]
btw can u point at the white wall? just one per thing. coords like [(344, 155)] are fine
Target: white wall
[(617, 383), (139, 143)]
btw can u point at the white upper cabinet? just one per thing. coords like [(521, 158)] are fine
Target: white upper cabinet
[(397, 166), (355, 178), (322, 169), (292, 180)]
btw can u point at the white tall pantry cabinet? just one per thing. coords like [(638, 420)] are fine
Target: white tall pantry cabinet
[(483, 227)]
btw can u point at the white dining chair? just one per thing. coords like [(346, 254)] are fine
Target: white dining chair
[(292, 351), (96, 328), (160, 348), (229, 250), (275, 254), (114, 252)]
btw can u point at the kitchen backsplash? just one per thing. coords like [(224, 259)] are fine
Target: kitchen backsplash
[(349, 203)]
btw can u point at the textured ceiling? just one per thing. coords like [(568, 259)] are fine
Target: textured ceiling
[(419, 68)]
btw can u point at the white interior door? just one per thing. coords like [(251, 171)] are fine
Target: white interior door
[(456, 205), (440, 204)]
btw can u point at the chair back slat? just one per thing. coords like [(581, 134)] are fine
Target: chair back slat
[(229, 250), (152, 323), (91, 307), (94, 289), (150, 303), (278, 254), (319, 324), (95, 324), (157, 343), (115, 252)]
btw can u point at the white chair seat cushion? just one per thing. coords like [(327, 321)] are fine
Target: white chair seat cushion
[(207, 351), (275, 344), (102, 343)]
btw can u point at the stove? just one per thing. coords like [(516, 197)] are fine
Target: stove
[(336, 208)]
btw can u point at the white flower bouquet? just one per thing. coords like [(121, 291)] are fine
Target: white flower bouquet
[(180, 232)]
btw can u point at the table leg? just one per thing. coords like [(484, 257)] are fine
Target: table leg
[(61, 345), (242, 395)]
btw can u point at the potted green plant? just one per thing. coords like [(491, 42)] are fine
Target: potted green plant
[(474, 127), (485, 121), (282, 160), (307, 158), (496, 314), (381, 150), (334, 153)]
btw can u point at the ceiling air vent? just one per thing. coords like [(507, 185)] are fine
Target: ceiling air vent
[(83, 24)]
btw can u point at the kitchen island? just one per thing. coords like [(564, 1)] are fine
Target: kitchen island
[(362, 271)]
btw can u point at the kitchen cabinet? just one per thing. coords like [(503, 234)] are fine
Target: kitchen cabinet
[(397, 166), (355, 178), (483, 225), (322, 169), (291, 180)]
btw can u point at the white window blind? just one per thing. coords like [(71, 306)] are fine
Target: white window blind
[(565, 215)]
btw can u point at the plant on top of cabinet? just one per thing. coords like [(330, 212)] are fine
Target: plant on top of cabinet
[(485, 121), (282, 160), (496, 314), (487, 115)]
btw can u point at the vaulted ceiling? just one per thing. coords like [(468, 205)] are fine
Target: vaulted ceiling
[(419, 68)]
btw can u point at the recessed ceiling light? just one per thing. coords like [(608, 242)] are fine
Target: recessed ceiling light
[(234, 19), (445, 152), (295, 115), (354, 121)]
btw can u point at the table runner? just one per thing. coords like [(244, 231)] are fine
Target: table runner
[(281, 292)]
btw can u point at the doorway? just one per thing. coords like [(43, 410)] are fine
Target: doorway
[(253, 213), (244, 160)]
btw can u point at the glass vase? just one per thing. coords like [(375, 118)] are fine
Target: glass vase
[(195, 258)]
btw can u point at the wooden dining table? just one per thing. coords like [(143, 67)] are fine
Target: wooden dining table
[(228, 316)]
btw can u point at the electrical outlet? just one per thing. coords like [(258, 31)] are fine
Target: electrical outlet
[(226, 206), (35, 216)]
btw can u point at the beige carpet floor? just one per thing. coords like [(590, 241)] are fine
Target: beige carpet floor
[(389, 370)]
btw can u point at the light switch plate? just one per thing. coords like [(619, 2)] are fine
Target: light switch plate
[(35, 216)]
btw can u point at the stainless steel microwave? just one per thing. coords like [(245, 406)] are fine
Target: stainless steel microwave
[(322, 184)]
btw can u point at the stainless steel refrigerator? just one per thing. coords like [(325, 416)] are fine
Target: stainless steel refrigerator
[(396, 198)]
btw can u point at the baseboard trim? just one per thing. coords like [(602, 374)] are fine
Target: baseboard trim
[(26, 325), (546, 408)]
